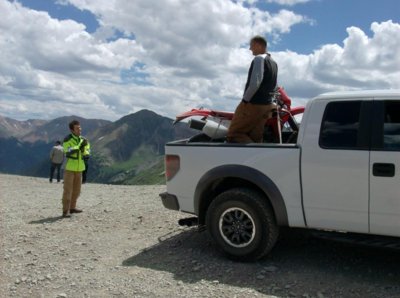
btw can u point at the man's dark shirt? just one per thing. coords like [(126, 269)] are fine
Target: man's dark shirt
[(261, 80)]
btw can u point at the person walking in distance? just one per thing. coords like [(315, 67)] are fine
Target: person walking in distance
[(74, 146), (56, 159), (256, 106)]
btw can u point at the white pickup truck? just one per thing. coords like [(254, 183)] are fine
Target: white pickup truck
[(340, 174)]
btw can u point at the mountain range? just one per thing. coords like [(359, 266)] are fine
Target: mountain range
[(127, 151)]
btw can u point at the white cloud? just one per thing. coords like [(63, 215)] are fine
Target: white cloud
[(172, 56), (188, 51), (193, 36), (361, 63)]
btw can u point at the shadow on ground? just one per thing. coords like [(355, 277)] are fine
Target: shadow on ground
[(297, 265), (46, 220)]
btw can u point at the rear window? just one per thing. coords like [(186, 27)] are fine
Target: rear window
[(391, 126), (340, 125)]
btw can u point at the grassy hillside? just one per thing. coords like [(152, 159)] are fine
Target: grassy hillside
[(154, 175), (143, 167), (127, 151)]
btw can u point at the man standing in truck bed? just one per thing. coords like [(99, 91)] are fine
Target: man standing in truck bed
[(256, 107)]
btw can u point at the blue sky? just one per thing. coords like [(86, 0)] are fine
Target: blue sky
[(64, 12), (332, 17), (105, 59)]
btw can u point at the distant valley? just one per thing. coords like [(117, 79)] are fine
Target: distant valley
[(127, 151)]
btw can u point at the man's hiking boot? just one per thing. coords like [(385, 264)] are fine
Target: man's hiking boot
[(66, 215), (75, 210)]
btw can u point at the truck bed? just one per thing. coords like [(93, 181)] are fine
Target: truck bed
[(279, 162)]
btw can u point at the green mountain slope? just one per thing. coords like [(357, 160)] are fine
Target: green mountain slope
[(127, 151)]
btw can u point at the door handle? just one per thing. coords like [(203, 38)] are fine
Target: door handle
[(383, 169)]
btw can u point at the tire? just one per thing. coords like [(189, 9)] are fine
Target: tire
[(242, 224)]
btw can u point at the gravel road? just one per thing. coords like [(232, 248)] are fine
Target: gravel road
[(125, 244)]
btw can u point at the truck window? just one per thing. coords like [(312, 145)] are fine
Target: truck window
[(340, 125), (391, 126)]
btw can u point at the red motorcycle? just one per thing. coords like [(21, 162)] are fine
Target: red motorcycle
[(282, 127)]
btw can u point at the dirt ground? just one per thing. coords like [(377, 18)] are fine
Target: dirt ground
[(125, 244)]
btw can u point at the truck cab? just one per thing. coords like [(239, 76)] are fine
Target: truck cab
[(350, 153)]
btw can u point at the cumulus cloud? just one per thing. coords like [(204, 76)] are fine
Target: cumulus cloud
[(362, 62), (193, 36), (187, 54)]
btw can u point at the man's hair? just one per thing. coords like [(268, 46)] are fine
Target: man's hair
[(58, 143), (260, 40), (73, 123)]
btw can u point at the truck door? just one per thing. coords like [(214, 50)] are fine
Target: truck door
[(335, 165), (385, 169)]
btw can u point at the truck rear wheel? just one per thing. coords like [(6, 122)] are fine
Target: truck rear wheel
[(242, 224)]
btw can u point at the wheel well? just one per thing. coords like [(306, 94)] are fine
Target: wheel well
[(219, 186)]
